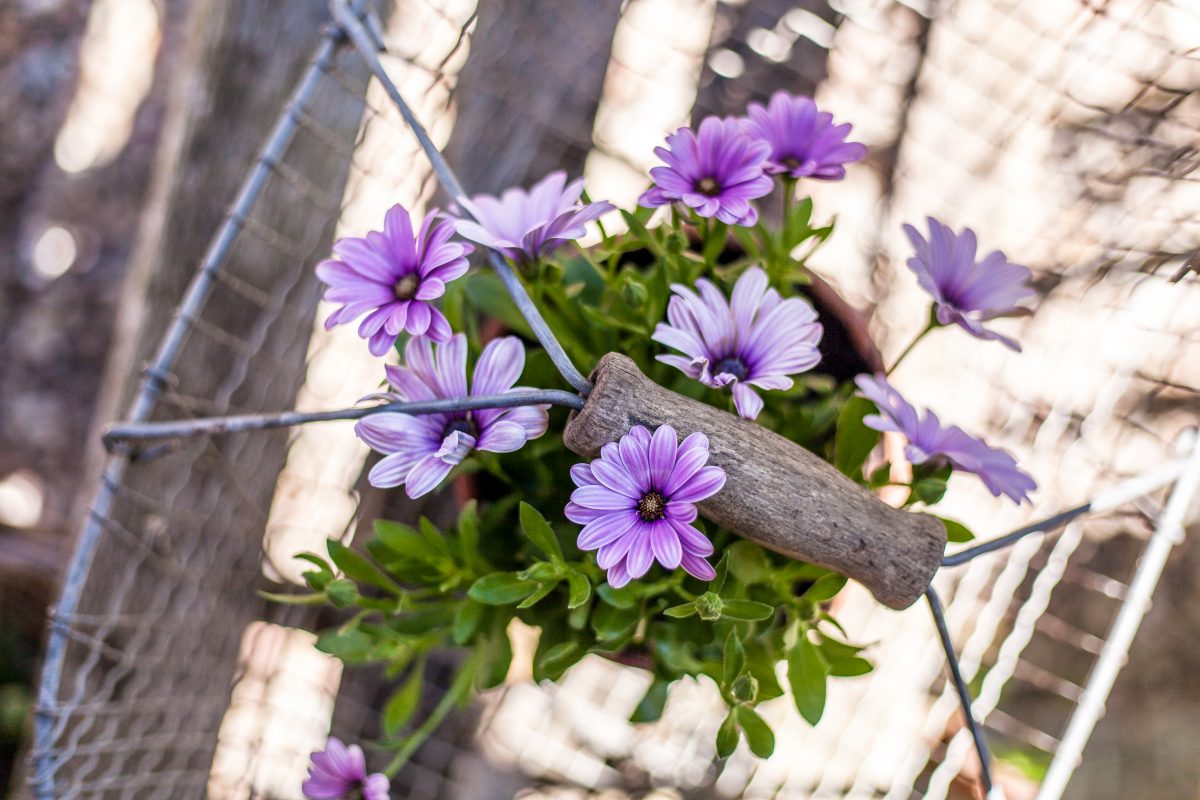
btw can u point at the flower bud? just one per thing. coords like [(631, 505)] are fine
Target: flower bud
[(745, 688), (708, 606)]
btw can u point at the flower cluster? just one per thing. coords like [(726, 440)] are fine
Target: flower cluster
[(716, 314), (717, 170)]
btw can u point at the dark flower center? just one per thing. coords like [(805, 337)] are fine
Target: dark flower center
[(791, 162), (652, 506), (733, 365), (407, 286), (708, 186), (461, 425)]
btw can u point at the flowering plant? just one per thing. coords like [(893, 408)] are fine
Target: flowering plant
[(710, 299)]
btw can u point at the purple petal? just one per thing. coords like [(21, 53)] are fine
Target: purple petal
[(425, 476), (606, 529), (704, 484), (697, 567), (501, 437), (665, 545), (661, 454), (601, 498), (747, 401)]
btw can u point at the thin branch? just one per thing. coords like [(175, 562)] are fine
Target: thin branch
[(178, 429)]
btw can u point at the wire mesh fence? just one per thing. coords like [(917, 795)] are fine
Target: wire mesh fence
[(1063, 132)]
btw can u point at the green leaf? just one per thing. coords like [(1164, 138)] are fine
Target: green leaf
[(613, 624), (734, 660), (350, 645), (807, 671), (501, 588), (650, 709), (854, 441), (758, 733), (745, 610), (316, 579), (315, 559), (406, 542), (468, 531), (796, 228), (748, 562), (956, 531), (341, 593), (930, 490), (625, 597), (581, 589), (541, 571), (550, 664), (496, 652), (466, 620), (727, 735), (359, 568), (538, 594), (718, 583), (403, 703), (540, 532), (681, 611), (843, 659), (487, 293), (434, 537), (825, 588)]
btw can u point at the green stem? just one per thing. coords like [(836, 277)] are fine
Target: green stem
[(932, 324), (457, 692), (789, 196)]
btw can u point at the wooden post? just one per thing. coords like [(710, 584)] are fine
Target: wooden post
[(776, 493)]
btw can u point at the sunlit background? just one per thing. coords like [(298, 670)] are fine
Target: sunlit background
[(1064, 132)]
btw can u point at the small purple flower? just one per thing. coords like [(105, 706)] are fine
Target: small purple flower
[(804, 142), (394, 275), (420, 450), (525, 226), (758, 339), (637, 501), (967, 292), (929, 441), (716, 172), (339, 772)]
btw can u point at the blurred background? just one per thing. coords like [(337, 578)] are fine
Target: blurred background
[(1065, 132)]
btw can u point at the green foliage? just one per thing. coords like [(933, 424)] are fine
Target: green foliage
[(511, 555)]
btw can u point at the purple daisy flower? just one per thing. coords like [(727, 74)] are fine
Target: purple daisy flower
[(756, 340), (967, 292), (525, 226), (716, 172), (637, 501), (420, 450), (930, 441), (804, 142), (339, 771), (394, 275)]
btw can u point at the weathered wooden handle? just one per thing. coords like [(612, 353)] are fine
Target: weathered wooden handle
[(776, 493)]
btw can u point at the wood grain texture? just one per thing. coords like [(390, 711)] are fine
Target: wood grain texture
[(776, 493)]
